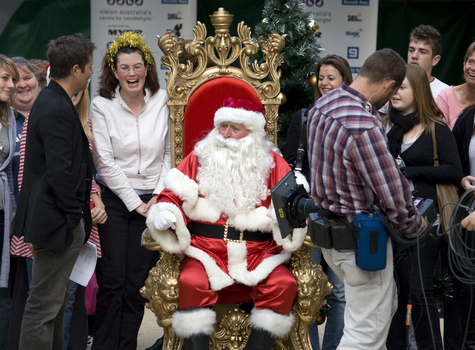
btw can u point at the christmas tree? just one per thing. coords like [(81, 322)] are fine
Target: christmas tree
[(301, 55)]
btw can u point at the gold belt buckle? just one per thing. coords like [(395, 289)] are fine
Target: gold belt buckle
[(225, 237)]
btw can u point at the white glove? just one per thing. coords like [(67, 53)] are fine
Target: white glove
[(271, 214), (164, 219)]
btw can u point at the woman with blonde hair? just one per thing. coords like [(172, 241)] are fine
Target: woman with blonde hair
[(414, 117), (454, 99), (8, 77)]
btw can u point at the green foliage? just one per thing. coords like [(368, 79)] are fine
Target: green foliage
[(301, 54)]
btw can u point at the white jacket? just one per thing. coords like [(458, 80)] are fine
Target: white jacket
[(131, 153)]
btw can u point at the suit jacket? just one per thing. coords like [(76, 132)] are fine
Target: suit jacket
[(57, 174)]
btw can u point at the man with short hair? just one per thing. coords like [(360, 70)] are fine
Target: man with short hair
[(216, 210), (425, 48), (352, 172), (53, 210)]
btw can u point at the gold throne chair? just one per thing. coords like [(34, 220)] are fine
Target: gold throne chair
[(196, 90)]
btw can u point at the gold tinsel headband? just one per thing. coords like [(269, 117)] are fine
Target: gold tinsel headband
[(129, 39)]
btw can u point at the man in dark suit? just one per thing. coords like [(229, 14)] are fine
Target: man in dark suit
[(53, 210)]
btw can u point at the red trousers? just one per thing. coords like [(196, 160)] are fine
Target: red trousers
[(276, 292)]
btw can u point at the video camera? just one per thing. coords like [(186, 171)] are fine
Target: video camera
[(293, 206)]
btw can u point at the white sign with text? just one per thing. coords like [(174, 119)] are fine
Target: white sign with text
[(348, 28), (150, 17)]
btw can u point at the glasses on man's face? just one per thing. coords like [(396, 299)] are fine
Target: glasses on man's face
[(136, 68)]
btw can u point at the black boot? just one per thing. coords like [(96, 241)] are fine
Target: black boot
[(197, 342), (260, 340)]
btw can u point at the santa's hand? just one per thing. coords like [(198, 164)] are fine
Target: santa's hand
[(164, 219), (271, 214)]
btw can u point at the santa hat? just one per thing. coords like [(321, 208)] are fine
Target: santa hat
[(242, 112)]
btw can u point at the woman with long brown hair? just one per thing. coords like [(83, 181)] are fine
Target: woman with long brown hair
[(414, 116)]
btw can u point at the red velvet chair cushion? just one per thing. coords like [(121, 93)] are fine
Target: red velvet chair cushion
[(199, 114)]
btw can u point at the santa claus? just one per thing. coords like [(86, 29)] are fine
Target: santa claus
[(216, 211)]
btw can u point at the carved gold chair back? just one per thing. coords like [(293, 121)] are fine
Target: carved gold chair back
[(196, 90)]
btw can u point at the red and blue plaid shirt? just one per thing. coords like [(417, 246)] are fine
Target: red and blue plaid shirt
[(351, 167)]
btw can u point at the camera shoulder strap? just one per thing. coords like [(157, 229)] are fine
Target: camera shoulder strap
[(302, 138)]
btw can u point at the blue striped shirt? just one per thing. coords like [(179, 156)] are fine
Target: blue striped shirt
[(351, 167)]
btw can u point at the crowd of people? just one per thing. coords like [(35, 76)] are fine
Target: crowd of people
[(72, 171)]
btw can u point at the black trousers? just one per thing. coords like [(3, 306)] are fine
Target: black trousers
[(19, 293), (408, 277), (121, 272)]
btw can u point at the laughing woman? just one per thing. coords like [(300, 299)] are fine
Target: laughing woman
[(132, 155), (414, 116), (8, 78)]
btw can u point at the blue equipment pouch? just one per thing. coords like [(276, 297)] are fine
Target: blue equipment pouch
[(371, 242)]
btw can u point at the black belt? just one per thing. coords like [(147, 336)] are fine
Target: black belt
[(227, 233)]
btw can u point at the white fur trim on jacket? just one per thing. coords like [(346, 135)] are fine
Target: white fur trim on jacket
[(203, 210), (172, 242), (182, 186), (187, 323), (293, 241), (253, 220), (277, 324), (237, 265), (301, 180), (194, 207), (254, 121), (218, 279)]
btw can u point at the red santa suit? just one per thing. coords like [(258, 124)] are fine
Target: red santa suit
[(247, 263), (217, 271)]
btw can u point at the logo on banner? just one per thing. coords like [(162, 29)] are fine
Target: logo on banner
[(116, 32), (355, 2), (353, 53), (179, 2), (354, 18), (354, 34), (322, 16), (125, 2), (309, 3), (174, 15), (355, 70)]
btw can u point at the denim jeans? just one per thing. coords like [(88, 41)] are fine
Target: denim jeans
[(336, 301)]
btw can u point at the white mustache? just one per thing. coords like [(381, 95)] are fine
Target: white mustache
[(230, 143)]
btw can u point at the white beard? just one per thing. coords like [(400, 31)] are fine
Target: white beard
[(233, 173)]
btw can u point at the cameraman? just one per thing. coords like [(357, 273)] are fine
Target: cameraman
[(351, 171)]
